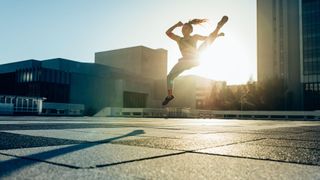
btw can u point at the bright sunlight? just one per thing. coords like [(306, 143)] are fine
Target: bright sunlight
[(227, 59)]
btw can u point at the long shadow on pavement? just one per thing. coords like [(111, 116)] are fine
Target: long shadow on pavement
[(10, 166), (17, 141)]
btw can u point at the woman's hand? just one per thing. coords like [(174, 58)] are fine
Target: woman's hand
[(170, 33), (179, 24)]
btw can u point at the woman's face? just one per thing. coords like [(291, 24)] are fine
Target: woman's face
[(186, 29)]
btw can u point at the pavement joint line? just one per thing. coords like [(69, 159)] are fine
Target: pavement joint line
[(137, 160), (208, 147), (287, 139), (235, 143), (259, 159), (241, 142), (96, 166), (292, 147), (147, 158)]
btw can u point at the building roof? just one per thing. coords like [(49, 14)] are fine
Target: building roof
[(67, 65)]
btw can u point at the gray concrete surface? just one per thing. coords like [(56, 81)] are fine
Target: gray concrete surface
[(129, 148)]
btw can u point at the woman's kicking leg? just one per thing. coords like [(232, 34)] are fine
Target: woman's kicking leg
[(214, 34)]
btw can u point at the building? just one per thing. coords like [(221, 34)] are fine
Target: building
[(15, 105), (147, 67), (310, 52), (278, 47), (65, 82), (287, 41), (139, 60)]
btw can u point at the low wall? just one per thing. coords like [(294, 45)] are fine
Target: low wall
[(193, 113), (6, 109)]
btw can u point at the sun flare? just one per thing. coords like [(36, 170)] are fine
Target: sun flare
[(225, 60)]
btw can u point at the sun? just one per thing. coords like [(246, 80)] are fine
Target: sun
[(227, 59)]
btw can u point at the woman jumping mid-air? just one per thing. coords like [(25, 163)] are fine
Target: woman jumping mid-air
[(189, 50)]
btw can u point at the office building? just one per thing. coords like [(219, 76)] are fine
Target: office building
[(287, 47), (310, 52), (69, 84)]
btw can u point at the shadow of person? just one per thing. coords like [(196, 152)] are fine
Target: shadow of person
[(10, 166)]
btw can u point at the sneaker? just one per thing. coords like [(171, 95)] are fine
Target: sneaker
[(167, 100), (223, 21)]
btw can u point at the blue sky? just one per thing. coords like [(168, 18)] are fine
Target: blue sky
[(76, 29)]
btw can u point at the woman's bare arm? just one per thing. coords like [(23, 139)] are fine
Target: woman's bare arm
[(170, 34)]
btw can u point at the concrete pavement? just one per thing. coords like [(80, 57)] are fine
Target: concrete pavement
[(137, 148)]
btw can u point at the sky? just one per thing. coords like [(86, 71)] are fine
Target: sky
[(76, 29)]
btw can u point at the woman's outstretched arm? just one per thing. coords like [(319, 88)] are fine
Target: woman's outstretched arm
[(203, 38), (170, 34)]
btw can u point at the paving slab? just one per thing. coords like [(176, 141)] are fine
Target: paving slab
[(308, 136), (200, 166), (190, 142), (281, 154), (289, 143), (40, 170), (86, 155), (142, 148)]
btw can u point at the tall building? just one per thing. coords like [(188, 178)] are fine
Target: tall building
[(288, 32), (310, 49)]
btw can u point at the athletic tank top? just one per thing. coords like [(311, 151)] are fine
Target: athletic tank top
[(188, 47)]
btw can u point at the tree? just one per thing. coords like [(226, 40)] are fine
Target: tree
[(266, 95)]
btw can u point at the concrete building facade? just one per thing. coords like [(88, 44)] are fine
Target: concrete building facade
[(281, 49), (139, 60), (93, 85), (148, 68)]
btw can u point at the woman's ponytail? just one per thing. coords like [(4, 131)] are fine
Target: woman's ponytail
[(197, 21)]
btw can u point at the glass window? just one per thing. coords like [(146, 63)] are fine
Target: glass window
[(31, 76), (24, 77), (2, 99), (19, 104), (30, 103), (58, 77)]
